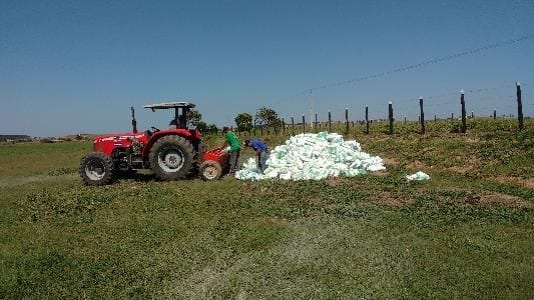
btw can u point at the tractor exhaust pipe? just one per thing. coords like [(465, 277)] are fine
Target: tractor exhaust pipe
[(134, 122)]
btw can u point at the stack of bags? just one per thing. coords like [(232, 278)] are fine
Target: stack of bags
[(313, 156)]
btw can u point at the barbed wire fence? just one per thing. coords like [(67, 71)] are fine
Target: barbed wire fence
[(451, 106)]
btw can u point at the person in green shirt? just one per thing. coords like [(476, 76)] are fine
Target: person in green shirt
[(235, 148)]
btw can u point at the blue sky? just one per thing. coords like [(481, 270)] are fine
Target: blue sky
[(77, 66)]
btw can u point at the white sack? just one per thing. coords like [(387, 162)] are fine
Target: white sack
[(313, 156)]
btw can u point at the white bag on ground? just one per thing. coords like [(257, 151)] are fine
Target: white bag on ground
[(418, 176)]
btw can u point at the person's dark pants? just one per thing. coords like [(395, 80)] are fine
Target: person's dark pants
[(262, 159), (234, 157)]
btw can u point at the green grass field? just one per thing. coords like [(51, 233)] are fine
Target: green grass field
[(466, 233)]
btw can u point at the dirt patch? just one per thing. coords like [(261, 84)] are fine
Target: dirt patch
[(461, 197), (390, 200), (416, 165), (528, 183), (277, 221), (380, 173), (459, 169), (249, 190), (10, 181), (334, 181), (472, 140), (503, 200), (390, 161), (465, 164)]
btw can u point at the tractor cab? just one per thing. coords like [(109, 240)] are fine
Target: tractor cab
[(180, 112)]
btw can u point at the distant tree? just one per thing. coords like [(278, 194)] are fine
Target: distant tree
[(212, 128), (193, 117), (202, 126), (266, 116), (206, 128), (243, 122)]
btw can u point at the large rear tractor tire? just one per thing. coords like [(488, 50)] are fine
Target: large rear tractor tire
[(171, 157), (199, 149), (96, 168), (210, 170)]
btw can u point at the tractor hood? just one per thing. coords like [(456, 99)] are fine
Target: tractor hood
[(107, 142), (118, 136)]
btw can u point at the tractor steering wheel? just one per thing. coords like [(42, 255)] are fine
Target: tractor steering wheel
[(155, 129)]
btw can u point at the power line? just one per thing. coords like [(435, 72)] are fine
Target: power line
[(433, 61), (418, 65)]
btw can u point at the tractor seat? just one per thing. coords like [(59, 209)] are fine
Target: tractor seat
[(174, 125), (148, 133)]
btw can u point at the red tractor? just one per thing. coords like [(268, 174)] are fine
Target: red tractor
[(171, 154)]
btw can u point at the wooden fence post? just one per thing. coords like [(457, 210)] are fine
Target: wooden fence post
[(435, 118), (303, 123), (283, 126), (519, 107), (464, 122), (292, 125), (346, 120), (423, 129), (390, 117), (315, 123), (494, 114), (367, 119), (329, 121)]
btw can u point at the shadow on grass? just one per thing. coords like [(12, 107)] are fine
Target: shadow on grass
[(146, 177)]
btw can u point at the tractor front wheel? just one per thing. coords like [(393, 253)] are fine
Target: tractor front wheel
[(210, 170), (171, 157), (96, 168)]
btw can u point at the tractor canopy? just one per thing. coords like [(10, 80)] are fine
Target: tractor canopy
[(168, 105), (180, 117)]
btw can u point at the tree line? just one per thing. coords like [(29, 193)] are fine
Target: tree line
[(265, 117)]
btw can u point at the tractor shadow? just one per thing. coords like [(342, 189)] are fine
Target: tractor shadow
[(147, 177), (136, 176)]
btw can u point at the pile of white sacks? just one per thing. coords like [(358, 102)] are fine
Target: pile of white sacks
[(313, 156)]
